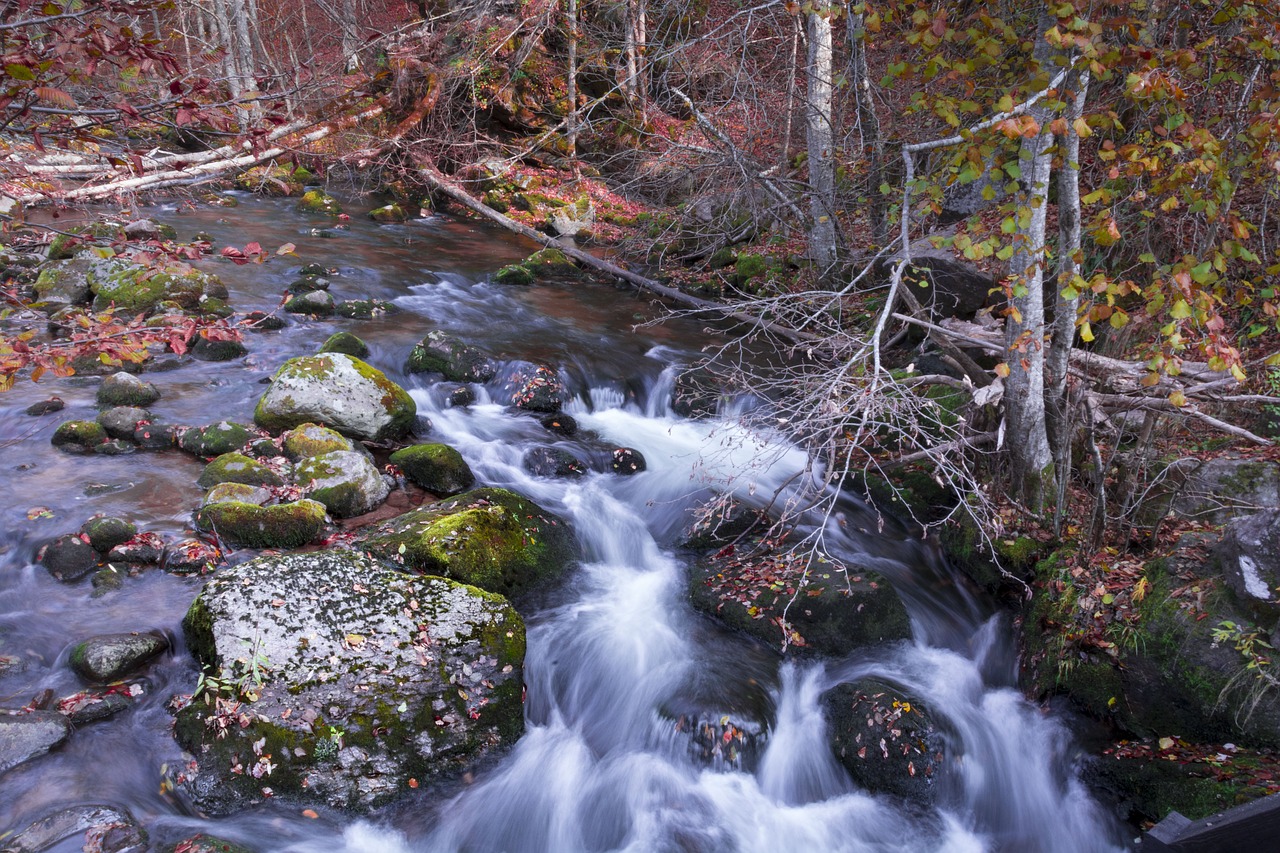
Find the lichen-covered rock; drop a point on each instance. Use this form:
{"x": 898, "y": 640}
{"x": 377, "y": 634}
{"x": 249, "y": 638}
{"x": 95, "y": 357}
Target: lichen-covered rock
{"x": 549, "y": 262}
{"x": 125, "y": 389}
{"x": 367, "y": 679}
{"x": 534, "y": 388}
{"x": 553, "y": 462}
{"x": 78, "y": 436}
{"x": 388, "y": 213}
{"x": 750, "y": 589}
{"x": 216, "y": 439}
{"x": 456, "y": 361}
{"x": 885, "y": 738}
{"x": 106, "y": 532}
{"x": 238, "y": 468}
{"x": 70, "y": 557}
{"x": 490, "y": 538}
{"x": 346, "y": 482}
{"x": 307, "y": 440}
{"x": 318, "y": 303}
{"x": 110, "y": 657}
{"x": 149, "y": 229}
{"x": 363, "y": 309}
{"x": 65, "y": 282}
{"x": 102, "y": 828}
{"x": 287, "y": 525}
{"x": 29, "y": 736}
{"x": 438, "y": 468}
{"x": 122, "y": 421}
{"x": 345, "y": 342}
{"x": 319, "y": 201}
{"x": 135, "y": 287}
{"x": 340, "y": 391}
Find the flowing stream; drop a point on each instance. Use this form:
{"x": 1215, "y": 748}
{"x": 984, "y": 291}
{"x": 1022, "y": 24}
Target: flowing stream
{"x": 614, "y": 654}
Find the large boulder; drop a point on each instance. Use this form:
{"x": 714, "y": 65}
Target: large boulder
{"x": 136, "y": 287}
{"x": 490, "y": 538}
{"x": 303, "y": 442}
{"x": 781, "y": 597}
{"x": 343, "y": 392}
{"x": 346, "y": 482}
{"x": 456, "y": 361}
{"x": 30, "y": 736}
{"x": 885, "y": 738}
{"x": 239, "y": 514}
{"x": 363, "y": 680}
{"x": 65, "y": 282}
{"x": 438, "y": 468}
{"x": 1250, "y": 556}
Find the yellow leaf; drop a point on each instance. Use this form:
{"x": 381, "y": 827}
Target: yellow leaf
{"x": 1166, "y": 743}
{"x": 1178, "y": 399}
{"x": 1086, "y": 332}
{"x": 355, "y": 639}
{"x": 1082, "y": 129}
{"x": 1002, "y": 370}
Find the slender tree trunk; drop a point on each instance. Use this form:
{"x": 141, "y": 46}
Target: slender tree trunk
{"x": 350, "y": 36}
{"x": 571, "y": 132}
{"x": 785, "y": 161}
{"x": 821, "y": 144}
{"x": 868, "y": 128}
{"x": 1026, "y": 431}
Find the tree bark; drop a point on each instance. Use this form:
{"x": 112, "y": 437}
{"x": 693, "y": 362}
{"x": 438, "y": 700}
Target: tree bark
{"x": 820, "y": 141}
{"x": 1026, "y": 431}
{"x": 868, "y": 128}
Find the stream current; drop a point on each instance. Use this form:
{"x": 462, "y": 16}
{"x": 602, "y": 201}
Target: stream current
{"x": 613, "y": 653}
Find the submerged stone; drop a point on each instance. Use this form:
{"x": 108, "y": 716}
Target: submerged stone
{"x": 366, "y": 678}
{"x": 29, "y": 736}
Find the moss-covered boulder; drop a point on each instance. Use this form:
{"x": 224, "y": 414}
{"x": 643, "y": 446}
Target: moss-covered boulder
{"x": 65, "y": 282}
{"x": 125, "y": 389}
{"x": 363, "y": 309}
{"x": 110, "y": 657}
{"x": 346, "y": 343}
{"x": 340, "y": 391}
{"x": 363, "y": 680}
{"x": 346, "y": 482}
{"x": 105, "y": 532}
{"x": 491, "y": 538}
{"x": 134, "y": 287}
{"x": 456, "y": 361}
{"x": 216, "y": 439}
{"x": 79, "y": 436}
{"x": 834, "y": 612}
{"x": 237, "y": 468}
{"x": 517, "y": 274}
{"x": 550, "y": 262}
{"x": 274, "y": 179}
{"x": 319, "y": 201}
{"x": 307, "y": 440}
{"x": 252, "y": 525}
{"x": 388, "y": 213}
{"x": 438, "y": 468}
{"x": 885, "y": 738}
{"x": 318, "y": 303}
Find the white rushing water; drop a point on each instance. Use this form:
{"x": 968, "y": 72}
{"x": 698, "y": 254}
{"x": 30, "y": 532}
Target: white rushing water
{"x": 599, "y": 768}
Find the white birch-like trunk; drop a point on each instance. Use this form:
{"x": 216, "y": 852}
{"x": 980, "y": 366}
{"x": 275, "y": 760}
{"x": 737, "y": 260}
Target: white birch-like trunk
{"x": 821, "y": 143}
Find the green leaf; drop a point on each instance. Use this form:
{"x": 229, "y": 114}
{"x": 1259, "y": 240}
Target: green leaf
{"x": 1180, "y": 310}
{"x": 19, "y": 72}
{"x": 1202, "y": 273}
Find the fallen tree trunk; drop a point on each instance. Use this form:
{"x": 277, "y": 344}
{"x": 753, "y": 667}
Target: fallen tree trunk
{"x": 440, "y": 183}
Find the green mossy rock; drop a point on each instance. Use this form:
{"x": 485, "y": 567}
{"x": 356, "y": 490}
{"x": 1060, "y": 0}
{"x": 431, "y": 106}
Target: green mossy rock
{"x": 367, "y": 678}
{"x": 110, "y": 657}
{"x": 346, "y": 343}
{"x": 139, "y": 288}
{"x": 438, "y": 468}
{"x": 388, "y": 213}
{"x": 238, "y": 468}
{"x": 747, "y": 267}
{"x": 550, "y": 262}
{"x": 491, "y": 538}
{"x": 216, "y": 439}
{"x": 317, "y": 303}
{"x": 833, "y": 614}
{"x": 340, "y": 391}
{"x": 456, "y": 361}
{"x": 516, "y": 274}
{"x": 125, "y": 389}
{"x": 274, "y": 180}
{"x": 78, "y": 436}
{"x": 106, "y": 532}
{"x": 309, "y": 440}
{"x": 319, "y": 201}
{"x": 65, "y": 282}
{"x": 209, "y": 349}
{"x": 289, "y": 525}
{"x": 346, "y": 482}
{"x": 363, "y": 309}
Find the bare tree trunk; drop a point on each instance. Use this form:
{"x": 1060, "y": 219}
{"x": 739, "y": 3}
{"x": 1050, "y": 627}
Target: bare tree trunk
{"x": 1026, "y": 431}
{"x": 785, "y": 159}
{"x": 868, "y": 129}
{"x": 571, "y": 132}
{"x": 350, "y": 36}
{"x": 821, "y": 143}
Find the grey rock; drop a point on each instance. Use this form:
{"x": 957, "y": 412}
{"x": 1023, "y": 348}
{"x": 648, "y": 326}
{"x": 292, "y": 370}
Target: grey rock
{"x": 1250, "y": 556}
{"x": 553, "y": 462}
{"x": 458, "y": 362}
{"x": 435, "y": 665}
{"x": 122, "y": 421}
{"x": 885, "y": 738}
{"x": 216, "y": 439}
{"x": 339, "y": 391}
{"x": 110, "y": 657}
{"x": 317, "y": 302}
{"x": 346, "y": 482}
{"x": 69, "y": 557}
{"x": 125, "y": 389}
{"x": 106, "y": 532}
{"x": 30, "y": 736}
{"x": 106, "y": 829}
